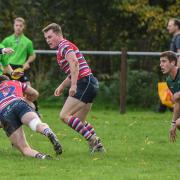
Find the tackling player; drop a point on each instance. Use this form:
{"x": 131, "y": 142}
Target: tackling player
{"x": 15, "y": 111}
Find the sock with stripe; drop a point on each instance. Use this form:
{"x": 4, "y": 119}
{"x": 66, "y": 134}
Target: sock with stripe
{"x": 90, "y": 128}
{"x": 47, "y": 131}
{"x": 78, "y": 126}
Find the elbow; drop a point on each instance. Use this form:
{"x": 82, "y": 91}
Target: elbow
{"x": 33, "y": 57}
{"x": 36, "y": 95}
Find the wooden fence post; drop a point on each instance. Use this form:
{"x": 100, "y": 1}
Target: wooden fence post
{"x": 123, "y": 80}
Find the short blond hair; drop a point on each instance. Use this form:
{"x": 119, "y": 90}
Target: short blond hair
{"x": 54, "y": 27}
{"x": 20, "y": 19}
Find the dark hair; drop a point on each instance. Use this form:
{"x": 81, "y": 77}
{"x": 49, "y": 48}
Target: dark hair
{"x": 54, "y": 27}
{"x": 170, "y": 55}
{"x": 176, "y": 22}
{"x": 3, "y": 78}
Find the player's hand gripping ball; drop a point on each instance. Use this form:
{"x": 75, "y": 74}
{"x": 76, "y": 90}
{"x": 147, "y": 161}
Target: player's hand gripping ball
{"x": 17, "y": 73}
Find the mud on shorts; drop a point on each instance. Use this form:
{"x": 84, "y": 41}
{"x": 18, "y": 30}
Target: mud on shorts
{"x": 11, "y": 115}
{"x": 87, "y": 89}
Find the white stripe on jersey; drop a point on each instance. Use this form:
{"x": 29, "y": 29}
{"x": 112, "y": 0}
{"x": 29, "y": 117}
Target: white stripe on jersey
{"x": 83, "y": 67}
{"x": 63, "y": 47}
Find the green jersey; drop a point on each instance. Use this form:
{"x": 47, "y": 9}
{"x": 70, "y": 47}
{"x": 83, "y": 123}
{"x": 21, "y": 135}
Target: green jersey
{"x": 174, "y": 84}
{"x": 3, "y": 61}
{"x": 22, "y": 46}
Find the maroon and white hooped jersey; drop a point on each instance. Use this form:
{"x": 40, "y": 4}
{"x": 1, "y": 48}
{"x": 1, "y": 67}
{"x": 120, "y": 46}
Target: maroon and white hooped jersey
{"x": 66, "y": 47}
{"x": 10, "y": 91}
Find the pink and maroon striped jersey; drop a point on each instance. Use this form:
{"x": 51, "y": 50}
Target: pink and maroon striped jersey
{"x": 11, "y": 91}
{"x": 66, "y": 47}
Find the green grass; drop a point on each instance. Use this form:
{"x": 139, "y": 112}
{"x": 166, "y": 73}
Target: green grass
{"x": 137, "y": 148}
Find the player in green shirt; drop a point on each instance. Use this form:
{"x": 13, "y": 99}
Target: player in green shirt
{"x": 168, "y": 64}
{"x": 24, "y": 53}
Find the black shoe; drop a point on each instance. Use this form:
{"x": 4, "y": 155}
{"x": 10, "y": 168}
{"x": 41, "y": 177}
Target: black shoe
{"x": 57, "y": 146}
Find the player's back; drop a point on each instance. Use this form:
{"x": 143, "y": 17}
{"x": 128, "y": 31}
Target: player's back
{"x": 10, "y": 91}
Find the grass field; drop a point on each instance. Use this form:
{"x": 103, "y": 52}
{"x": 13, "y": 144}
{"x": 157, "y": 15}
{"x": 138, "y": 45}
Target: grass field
{"x": 137, "y": 148}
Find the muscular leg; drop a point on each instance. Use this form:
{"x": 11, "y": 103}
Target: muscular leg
{"x": 71, "y": 106}
{"x": 18, "y": 139}
{"x": 82, "y": 114}
{"x": 28, "y": 117}
{"x": 32, "y": 120}
{"x": 74, "y": 113}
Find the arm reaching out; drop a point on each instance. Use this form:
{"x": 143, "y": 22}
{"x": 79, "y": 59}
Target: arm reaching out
{"x": 6, "y": 50}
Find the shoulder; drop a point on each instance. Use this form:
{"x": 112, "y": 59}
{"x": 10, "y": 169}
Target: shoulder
{"x": 177, "y": 37}
{"x": 8, "y": 37}
{"x": 64, "y": 43}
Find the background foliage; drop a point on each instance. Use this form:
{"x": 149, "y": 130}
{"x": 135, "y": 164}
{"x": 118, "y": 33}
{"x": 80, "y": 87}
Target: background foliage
{"x": 138, "y": 25}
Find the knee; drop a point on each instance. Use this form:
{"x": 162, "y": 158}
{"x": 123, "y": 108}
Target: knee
{"x": 25, "y": 150}
{"x": 41, "y": 126}
{"x": 34, "y": 123}
{"x": 63, "y": 117}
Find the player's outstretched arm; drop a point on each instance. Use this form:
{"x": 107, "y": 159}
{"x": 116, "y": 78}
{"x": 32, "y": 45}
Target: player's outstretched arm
{"x": 31, "y": 94}
{"x": 6, "y": 50}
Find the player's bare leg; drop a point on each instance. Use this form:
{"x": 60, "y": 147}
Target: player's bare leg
{"x": 74, "y": 113}
{"x": 83, "y": 112}
{"x": 18, "y": 139}
{"x": 33, "y": 121}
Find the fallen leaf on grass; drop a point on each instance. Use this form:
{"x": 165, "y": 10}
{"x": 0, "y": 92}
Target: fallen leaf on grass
{"x": 95, "y": 159}
{"x": 132, "y": 123}
{"x": 77, "y": 139}
{"x": 43, "y": 167}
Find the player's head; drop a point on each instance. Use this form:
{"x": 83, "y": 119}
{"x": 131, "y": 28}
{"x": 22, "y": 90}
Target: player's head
{"x": 3, "y": 78}
{"x": 168, "y": 60}
{"x": 173, "y": 25}
{"x": 56, "y": 28}
{"x": 19, "y": 25}
{"x": 53, "y": 35}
